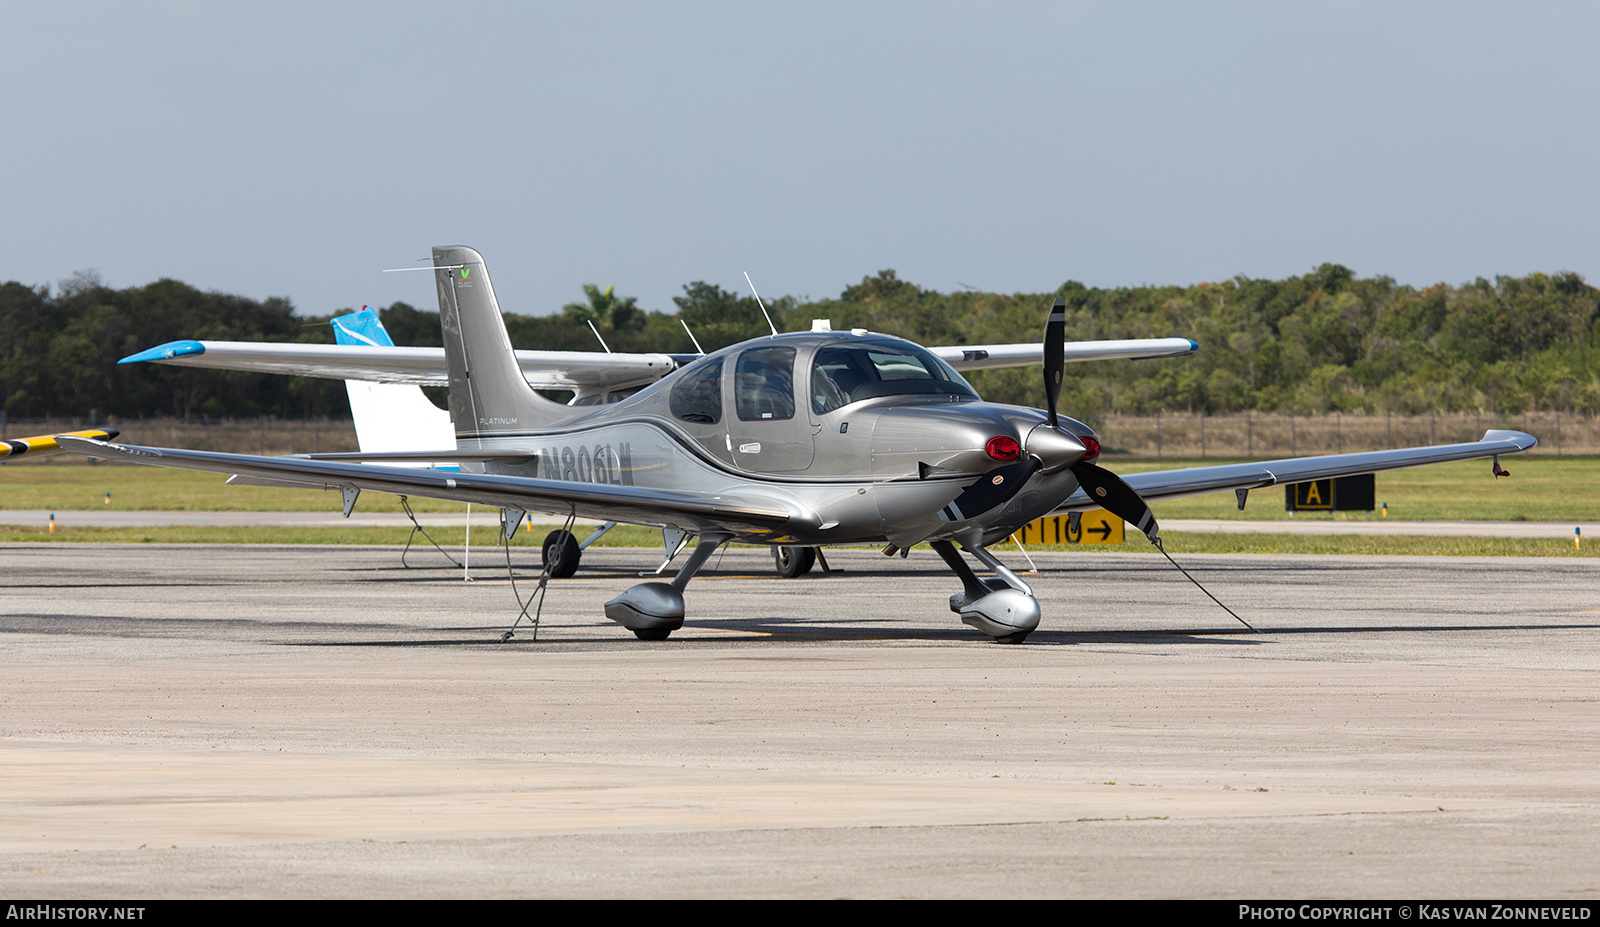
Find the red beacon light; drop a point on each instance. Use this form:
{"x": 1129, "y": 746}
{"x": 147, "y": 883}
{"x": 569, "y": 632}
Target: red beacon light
{"x": 1003, "y": 448}
{"x": 1091, "y": 448}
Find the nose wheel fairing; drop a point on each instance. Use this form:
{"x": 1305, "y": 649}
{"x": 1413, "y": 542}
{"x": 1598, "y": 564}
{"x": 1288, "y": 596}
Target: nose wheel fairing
{"x": 994, "y": 606}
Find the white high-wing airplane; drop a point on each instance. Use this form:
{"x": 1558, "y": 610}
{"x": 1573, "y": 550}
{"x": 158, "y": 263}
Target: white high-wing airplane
{"x": 806, "y": 439}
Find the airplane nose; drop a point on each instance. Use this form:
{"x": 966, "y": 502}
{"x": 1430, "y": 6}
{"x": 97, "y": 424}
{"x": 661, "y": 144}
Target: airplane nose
{"x": 1054, "y": 447}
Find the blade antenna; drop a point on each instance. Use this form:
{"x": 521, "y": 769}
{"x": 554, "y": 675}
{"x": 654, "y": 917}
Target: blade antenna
{"x": 1157, "y": 542}
{"x": 692, "y": 338}
{"x": 759, "y": 302}
{"x": 1055, "y": 357}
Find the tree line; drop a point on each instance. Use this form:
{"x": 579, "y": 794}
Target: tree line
{"x": 1321, "y": 342}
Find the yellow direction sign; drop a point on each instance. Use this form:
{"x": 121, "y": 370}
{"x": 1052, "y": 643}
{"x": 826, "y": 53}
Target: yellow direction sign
{"x": 1093, "y": 527}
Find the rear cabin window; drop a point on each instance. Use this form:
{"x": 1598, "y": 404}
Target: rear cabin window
{"x": 763, "y": 385}
{"x": 697, "y": 396}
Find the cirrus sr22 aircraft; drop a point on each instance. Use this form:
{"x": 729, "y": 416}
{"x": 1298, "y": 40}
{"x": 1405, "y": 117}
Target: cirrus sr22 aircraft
{"x": 804, "y": 440}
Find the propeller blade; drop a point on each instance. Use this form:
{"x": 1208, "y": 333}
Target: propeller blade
{"x": 1055, "y": 356}
{"x": 990, "y": 491}
{"x": 1117, "y": 497}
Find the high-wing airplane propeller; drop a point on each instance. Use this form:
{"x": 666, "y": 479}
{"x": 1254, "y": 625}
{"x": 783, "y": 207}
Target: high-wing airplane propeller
{"x": 805, "y": 439}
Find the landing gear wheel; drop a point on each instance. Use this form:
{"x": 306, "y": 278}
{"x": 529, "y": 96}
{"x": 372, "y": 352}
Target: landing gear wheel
{"x": 794, "y": 561}
{"x": 561, "y": 554}
{"x": 1016, "y": 638}
{"x": 652, "y": 634}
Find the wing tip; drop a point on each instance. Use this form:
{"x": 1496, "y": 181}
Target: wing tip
{"x": 171, "y": 349}
{"x": 1522, "y": 439}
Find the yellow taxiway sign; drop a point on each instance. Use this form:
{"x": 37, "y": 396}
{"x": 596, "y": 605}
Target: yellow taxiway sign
{"x": 1093, "y": 527}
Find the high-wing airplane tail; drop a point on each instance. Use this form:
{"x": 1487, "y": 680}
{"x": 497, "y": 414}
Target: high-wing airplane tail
{"x": 488, "y": 396}
{"x": 389, "y": 416}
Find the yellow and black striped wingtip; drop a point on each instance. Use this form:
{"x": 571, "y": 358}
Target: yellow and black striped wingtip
{"x": 45, "y": 445}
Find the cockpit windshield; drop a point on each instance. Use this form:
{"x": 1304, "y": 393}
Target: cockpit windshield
{"x": 842, "y": 374}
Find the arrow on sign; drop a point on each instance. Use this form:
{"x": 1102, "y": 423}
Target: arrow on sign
{"x": 1104, "y": 530}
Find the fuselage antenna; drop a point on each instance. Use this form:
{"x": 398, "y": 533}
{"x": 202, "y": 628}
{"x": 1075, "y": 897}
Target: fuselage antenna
{"x": 692, "y": 337}
{"x": 759, "y": 302}
{"x": 597, "y": 336}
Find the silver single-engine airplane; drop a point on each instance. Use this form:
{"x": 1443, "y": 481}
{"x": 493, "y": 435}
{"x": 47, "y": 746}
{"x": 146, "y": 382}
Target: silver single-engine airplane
{"x": 804, "y": 439}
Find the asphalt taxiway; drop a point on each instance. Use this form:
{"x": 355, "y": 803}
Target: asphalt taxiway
{"x": 489, "y": 518}
{"x": 184, "y": 721}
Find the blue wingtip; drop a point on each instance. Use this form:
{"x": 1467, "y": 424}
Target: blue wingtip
{"x": 1193, "y": 345}
{"x": 165, "y": 351}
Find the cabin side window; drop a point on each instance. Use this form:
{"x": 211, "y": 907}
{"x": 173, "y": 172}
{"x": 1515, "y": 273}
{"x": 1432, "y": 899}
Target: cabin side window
{"x": 763, "y": 387}
{"x": 697, "y": 396}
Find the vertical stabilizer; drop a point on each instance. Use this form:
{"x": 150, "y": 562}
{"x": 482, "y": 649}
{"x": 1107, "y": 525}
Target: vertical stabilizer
{"x": 489, "y": 397}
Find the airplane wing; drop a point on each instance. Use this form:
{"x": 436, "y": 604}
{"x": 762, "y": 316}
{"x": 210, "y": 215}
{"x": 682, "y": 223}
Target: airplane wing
{"x": 990, "y": 356}
{"x": 754, "y": 517}
{"x": 45, "y": 445}
{"x": 574, "y": 370}
{"x": 1168, "y": 484}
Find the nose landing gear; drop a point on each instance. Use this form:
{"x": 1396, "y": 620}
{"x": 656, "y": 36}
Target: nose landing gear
{"x": 1002, "y": 607}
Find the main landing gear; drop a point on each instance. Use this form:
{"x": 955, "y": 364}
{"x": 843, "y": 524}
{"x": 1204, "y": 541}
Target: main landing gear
{"x": 794, "y": 561}
{"x": 562, "y": 551}
{"x": 654, "y": 610}
{"x": 561, "y": 554}
{"x": 1002, "y": 607}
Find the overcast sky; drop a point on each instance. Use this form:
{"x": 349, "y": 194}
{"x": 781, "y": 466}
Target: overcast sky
{"x": 298, "y": 150}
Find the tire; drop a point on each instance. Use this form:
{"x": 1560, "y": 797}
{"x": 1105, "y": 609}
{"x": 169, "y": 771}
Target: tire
{"x": 794, "y": 561}
{"x": 561, "y": 554}
{"x": 652, "y": 634}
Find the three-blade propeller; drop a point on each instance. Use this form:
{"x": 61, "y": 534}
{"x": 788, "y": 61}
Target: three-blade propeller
{"x": 1103, "y": 487}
